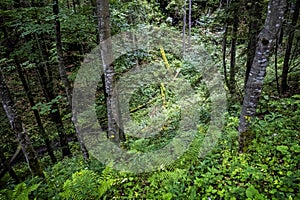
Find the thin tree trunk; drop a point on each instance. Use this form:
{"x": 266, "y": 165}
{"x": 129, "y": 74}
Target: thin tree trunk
{"x": 36, "y": 114}
{"x": 285, "y": 68}
{"x": 64, "y": 77}
{"x": 190, "y": 23}
{"x": 266, "y": 40}
{"x": 7, "y": 167}
{"x": 60, "y": 56}
{"x": 17, "y": 126}
{"x": 232, "y": 81}
{"x": 47, "y": 86}
{"x": 74, "y": 5}
{"x": 115, "y": 129}
{"x": 254, "y": 27}
{"x": 224, "y": 45}
{"x": 276, "y": 67}
{"x": 184, "y": 28}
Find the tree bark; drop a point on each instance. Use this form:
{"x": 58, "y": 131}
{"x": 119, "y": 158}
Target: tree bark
{"x": 17, "y": 126}
{"x": 232, "y": 81}
{"x": 36, "y": 114}
{"x": 63, "y": 74}
{"x": 254, "y": 27}
{"x": 265, "y": 43}
{"x": 190, "y": 24}
{"x": 115, "y": 129}
{"x": 184, "y": 28}
{"x": 287, "y": 55}
{"x": 47, "y": 86}
{"x": 60, "y": 56}
{"x": 8, "y": 167}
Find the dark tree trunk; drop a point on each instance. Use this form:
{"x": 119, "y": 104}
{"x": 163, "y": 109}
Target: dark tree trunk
{"x": 60, "y": 56}
{"x": 265, "y": 43}
{"x": 276, "y": 67}
{"x": 47, "y": 86}
{"x": 224, "y": 47}
{"x": 190, "y": 23}
{"x": 17, "y": 126}
{"x": 254, "y": 27}
{"x": 184, "y": 29}
{"x": 289, "y": 44}
{"x": 232, "y": 81}
{"x": 115, "y": 129}
{"x": 63, "y": 74}
{"x": 36, "y": 114}
{"x": 8, "y": 167}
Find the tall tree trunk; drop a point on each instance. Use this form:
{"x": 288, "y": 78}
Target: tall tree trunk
{"x": 115, "y": 129}
{"x": 224, "y": 47}
{"x": 8, "y": 167}
{"x": 60, "y": 56}
{"x": 63, "y": 74}
{"x": 47, "y": 86}
{"x": 289, "y": 44}
{"x": 232, "y": 81}
{"x": 184, "y": 28}
{"x": 36, "y": 114}
{"x": 276, "y": 67}
{"x": 17, "y": 126}
{"x": 265, "y": 43}
{"x": 190, "y": 24}
{"x": 253, "y": 30}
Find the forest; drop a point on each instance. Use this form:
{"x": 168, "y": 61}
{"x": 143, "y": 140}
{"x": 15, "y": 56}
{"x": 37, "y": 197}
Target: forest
{"x": 150, "y": 99}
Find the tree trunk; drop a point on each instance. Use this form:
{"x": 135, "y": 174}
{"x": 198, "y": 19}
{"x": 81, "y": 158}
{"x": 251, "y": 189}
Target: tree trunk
{"x": 184, "y": 28}
{"x": 232, "y": 82}
{"x": 115, "y": 129}
{"x": 60, "y": 56}
{"x": 190, "y": 24}
{"x": 289, "y": 44}
{"x": 63, "y": 74}
{"x": 47, "y": 86}
{"x": 17, "y": 126}
{"x": 254, "y": 27}
{"x": 8, "y": 167}
{"x": 36, "y": 114}
{"x": 265, "y": 43}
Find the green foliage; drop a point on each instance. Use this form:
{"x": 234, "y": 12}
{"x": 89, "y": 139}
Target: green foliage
{"x": 82, "y": 185}
{"x": 46, "y": 108}
{"x": 20, "y": 192}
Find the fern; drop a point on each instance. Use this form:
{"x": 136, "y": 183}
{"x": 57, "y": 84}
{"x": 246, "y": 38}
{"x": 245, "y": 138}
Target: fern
{"x": 21, "y": 191}
{"x": 86, "y": 184}
{"x": 106, "y": 181}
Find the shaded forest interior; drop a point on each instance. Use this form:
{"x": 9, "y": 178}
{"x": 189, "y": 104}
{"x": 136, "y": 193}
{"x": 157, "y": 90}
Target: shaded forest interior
{"x": 242, "y": 110}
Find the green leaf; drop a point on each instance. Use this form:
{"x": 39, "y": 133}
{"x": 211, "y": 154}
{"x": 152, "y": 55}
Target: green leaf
{"x": 251, "y": 192}
{"x": 283, "y": 149}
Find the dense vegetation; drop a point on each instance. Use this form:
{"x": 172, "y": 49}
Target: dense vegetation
{"x": 40, "y": 41}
